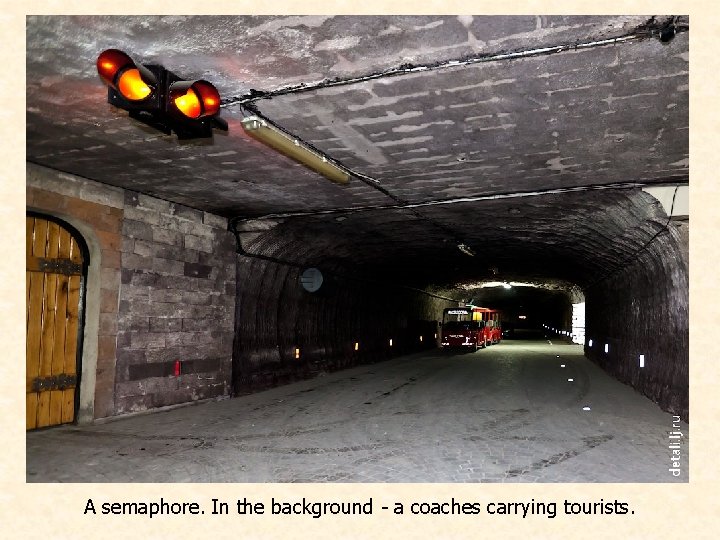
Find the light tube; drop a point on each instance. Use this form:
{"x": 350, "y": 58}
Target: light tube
{"x": 261, "y": 130}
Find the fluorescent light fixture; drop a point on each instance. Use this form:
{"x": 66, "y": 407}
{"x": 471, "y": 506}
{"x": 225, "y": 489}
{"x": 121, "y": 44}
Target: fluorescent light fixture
{"x": 590, "y": 343}
{"x": 571, "y": 380}
{"x": 357, "y": 346}
{"x": 607, "y": 347}
{"x": 642, "y": 360}
{"x": 586, "y": 408}
{"x": 261, "y": 130}
{"x": 562, "y": 365}
{"x": 522, "y": 316}
{"x": 391, "y": 342}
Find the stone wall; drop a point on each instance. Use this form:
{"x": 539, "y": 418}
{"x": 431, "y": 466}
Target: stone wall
{"x": 167, "y": 282}
{"x": 284, "y": 333}
{"x": 176, "y": 304}
{"x": 643, "y": 309}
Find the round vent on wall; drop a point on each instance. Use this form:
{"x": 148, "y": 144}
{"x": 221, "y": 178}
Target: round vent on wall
{"x": 311, "y": 279}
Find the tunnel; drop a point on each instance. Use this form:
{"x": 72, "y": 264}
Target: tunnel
{"x": 616, "y": 248}
{"x": 536, "y": 166}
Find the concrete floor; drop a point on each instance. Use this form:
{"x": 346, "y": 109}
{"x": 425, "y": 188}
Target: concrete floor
{"x": 504, "y": 414}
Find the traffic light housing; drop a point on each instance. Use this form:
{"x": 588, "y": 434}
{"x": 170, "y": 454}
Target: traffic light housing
{"x": 159, "y": 98}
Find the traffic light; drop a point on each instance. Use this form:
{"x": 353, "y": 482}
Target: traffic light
{"x": 159, "y": 98}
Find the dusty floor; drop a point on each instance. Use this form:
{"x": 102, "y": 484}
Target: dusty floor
{"x": 504, "y": 414}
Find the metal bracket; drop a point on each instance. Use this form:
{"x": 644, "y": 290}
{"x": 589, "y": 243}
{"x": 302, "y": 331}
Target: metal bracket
{"x": 54, "y": 382}
{"x": 54, "y": 266}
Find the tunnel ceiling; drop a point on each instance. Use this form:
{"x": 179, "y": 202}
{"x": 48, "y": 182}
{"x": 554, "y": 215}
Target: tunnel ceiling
{"x": 442, "y": 131}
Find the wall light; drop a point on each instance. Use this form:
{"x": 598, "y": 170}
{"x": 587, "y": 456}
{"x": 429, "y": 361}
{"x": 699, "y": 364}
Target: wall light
{"x": 590, "y": 343}
{"x": 391, "y": 342}
{"x": 261, "y": 130}
{"x": 297, "y": 354}
{"x": 642, "y": 360}
{"x": 357, "y": 346}
{"x": 466, "y": 250}
{"x": 421, "y": 339}
{"x": 607, "y": 347}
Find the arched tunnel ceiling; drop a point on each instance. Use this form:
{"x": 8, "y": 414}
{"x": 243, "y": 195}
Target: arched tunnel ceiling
{"x": 574, "y": 238}
{"x": 590, "y": 116}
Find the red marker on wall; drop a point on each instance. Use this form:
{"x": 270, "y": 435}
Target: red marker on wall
{"x": 177, "y": 368}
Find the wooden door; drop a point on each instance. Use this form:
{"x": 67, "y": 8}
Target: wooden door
{"x": 53, "y": 281}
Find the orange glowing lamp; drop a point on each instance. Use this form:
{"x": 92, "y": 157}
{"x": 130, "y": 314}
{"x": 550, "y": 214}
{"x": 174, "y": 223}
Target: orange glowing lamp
{"x": 157, "y": 97}
{"x": 133, "y": 81}
{"x": 195, "y": 99}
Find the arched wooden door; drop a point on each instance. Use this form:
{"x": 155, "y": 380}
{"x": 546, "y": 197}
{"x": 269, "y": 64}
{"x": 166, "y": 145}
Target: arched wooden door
{"x": 54, "y": 281}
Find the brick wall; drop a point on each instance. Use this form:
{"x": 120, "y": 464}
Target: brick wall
{"x": 167, "y": 292}
{"x": 176, "y": 304}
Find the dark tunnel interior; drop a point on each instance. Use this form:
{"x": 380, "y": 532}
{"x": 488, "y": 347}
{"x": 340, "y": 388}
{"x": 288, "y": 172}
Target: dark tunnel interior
{"x": 526, "y": 158}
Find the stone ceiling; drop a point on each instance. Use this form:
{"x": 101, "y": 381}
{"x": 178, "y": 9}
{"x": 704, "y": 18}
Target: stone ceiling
{"x": 425, "y": 110}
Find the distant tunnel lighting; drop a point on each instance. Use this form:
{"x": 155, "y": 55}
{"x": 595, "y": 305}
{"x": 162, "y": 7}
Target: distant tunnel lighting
{"x": 571, "y": 380}
{"x": 562, "y": 365}
{"x": 435, "y": 336}
{"x": 357, "y": 346}
{"x": 522, "y": 317}
{"x": 586, "y": 408}
{"x": 297, "y": 353}
{"x": 466, "y": 250}
{"x": 268, "y": 134}
{"x": 391, "y": 342}
{"x": 607, "y": 347}
{"x": 642, "y": 360}
{"x": 590, "y": 343}
{"x": 507, "y": 286}
{"x": 420, "y": 338}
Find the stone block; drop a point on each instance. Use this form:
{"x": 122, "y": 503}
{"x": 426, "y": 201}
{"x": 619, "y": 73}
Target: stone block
{"x": 108, "y": 300}
{"x": 131, "y": 198}
{"x": 168, "y": 267}
{"x": 191, "y": 214}
{"x": 110, "y": 278}
{"x": 127, "y": 244}
{"x": 136, "y": 262}
{"x": 144, "y": 215}
{"x": 141, "y": 340}
{"x": 167, "y": 236}
{"x": 108, "y": 324}
{"x": 153, "y": 203}
{"x": 137, "y": 229}
{"x": 133, "y": 322}
{"x": 109, "y": 240}
{"x": 215, "y": 221}
{"x": 102, "y": 194}
{"x": 173, "y": 296}
{"x": 165, "y": 324}
{"x": 197, "y": 270}
{"x": 141, "y": 278}
{"x": 200, "y": 243}
{"x": 110, "y": 259}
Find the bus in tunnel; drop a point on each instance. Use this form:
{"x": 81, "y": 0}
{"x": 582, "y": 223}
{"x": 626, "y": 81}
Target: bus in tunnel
{"x": 470, "y": 327}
